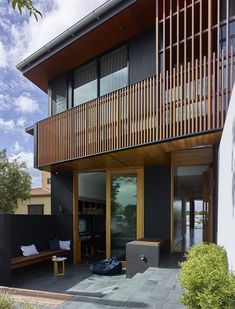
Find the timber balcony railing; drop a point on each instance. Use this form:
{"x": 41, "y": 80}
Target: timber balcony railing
{"x": 187, "y": 100}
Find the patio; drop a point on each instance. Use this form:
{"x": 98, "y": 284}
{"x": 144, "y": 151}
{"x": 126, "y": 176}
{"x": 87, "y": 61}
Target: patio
{"x": 156, "y": 288}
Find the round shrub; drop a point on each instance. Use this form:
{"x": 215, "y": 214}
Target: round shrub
{"x": 205, "y": 279}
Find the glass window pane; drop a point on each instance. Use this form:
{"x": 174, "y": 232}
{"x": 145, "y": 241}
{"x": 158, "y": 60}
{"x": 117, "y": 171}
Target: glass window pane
{"x": 232, "y": 8}
{"x": 85, "y": 83}
{"x": 59, "y": 95}
{"x": 35, "y": 209}
{"x": 113, "y": 71}
{"x": 123, "y": 212}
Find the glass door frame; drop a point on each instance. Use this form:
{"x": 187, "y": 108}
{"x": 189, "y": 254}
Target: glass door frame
{"x": 140, "y": 203}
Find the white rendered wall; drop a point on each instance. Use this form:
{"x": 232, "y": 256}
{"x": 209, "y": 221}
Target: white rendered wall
{"x": 226, "y": 194}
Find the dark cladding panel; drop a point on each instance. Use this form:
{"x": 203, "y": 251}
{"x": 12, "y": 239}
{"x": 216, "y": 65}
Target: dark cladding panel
{"x": 5, "y": 249}
{"x": 215, "y": 190}
{"x": 31, "y": 229}
{"x": 157, "y": 181}
{"x": 142, "y": 56}
{"x": 62, "y": 193}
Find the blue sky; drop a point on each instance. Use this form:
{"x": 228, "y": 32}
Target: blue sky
{"x": 21, "y": 102}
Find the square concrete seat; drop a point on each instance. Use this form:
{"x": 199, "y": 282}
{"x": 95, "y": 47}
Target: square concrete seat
{"x": 140, "y": 255}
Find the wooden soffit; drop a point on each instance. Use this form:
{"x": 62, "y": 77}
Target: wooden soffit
{"x": 126, "y": 24}
{"x": 186, "y": 151}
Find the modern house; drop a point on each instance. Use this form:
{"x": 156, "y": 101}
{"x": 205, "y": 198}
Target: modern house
{"x": 138, "y": 93}
{"x": 40, "y": 199}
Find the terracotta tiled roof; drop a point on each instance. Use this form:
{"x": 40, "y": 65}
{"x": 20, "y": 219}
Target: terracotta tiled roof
{"x": 40, "y": 191}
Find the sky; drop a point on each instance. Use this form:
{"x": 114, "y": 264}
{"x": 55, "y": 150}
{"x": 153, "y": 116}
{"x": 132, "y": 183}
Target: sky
{"x": 21, "y": 102}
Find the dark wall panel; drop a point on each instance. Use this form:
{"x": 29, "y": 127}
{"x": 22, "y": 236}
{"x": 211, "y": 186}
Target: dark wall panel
{"x": 31, "y": 229}
{"x": 38, "y": 230}
{"x": 62, "y": 193}
{"x": 5, "y": 250}
{"x": 157, "y": 181}
{"x": 142, "y": 56}
{"x": 215, "y": 191}
{"x": 64, "y": 227}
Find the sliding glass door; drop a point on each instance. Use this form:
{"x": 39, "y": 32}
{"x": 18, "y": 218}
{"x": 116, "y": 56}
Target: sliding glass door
{"x": 124, "y": 220}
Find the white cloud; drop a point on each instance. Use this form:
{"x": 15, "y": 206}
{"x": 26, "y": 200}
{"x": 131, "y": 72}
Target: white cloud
{"x": 28, "y": 158}
{"x": 25, "y": 105}
{"x": 3, "y": 56}
{"x": 17, "y": 148}
{"x": 4, "y": 102}
{"x": 7, "y": 125}
{"x": 5, "y": 23}
{"x": 31, "y": 35}
{"x": 21, "y": 122}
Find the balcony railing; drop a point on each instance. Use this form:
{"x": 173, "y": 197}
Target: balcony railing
{"x": 183, "y": 101}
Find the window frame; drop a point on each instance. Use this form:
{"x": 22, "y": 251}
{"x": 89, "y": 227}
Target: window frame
{"x": 52, "y": 106}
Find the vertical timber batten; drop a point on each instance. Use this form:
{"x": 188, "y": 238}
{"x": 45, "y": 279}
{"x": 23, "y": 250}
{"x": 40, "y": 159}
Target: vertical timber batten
{"x": 209, "y": 61}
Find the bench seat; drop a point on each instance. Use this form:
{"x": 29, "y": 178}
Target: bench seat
{"x": 21, "y": 261}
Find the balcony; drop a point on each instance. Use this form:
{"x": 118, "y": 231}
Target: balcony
{"x": 187, "y": 100}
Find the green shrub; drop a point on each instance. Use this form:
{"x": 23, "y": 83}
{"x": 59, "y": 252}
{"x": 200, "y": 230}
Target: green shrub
{"x": 205, "y": 279}
{"x": 6, "y": 301}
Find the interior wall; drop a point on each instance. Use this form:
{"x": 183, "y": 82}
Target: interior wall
{"x": 92, "y": 185}
{"x": 157, "y": 202}
{"x": 226, "y": 185}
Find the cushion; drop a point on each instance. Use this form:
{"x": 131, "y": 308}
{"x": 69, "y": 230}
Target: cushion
{"x": 29, "y": 250}
{"x": 64, "y": 244}
{"x": 54, "y": 244}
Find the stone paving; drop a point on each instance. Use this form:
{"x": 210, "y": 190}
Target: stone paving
{"x": 156, "y": 288}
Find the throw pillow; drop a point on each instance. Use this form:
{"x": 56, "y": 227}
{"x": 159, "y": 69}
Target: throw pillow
{"x": 54, "y": 244}
{"x": 29, "y": 250}
{"x": 65, "y": 244}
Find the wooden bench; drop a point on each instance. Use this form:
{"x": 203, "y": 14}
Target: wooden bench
{"x": 21, "y": 261}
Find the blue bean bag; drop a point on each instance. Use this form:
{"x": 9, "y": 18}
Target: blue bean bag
{"x": 107, "y": 267}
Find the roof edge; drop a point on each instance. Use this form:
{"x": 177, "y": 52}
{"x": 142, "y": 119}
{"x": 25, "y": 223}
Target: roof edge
{"x": 50, "y": 48}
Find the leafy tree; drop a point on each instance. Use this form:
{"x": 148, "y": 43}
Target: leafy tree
{"x": 15, "y": 183}
{"x": 25, "y": 4}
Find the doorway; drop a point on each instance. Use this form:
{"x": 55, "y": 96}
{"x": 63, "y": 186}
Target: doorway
{"x": 110, "y": 212}
{"x": 192, "y": 206}
{"x": 92, "y": 216}
{"x": 124, "y": 210}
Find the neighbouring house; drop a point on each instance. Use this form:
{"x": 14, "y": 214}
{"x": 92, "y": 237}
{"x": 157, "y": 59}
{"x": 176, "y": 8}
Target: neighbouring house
{"x": 138, "y": 94}
{"x": 40, "y": 199}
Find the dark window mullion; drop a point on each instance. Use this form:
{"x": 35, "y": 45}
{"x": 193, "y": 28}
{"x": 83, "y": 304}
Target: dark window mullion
{"x": 98, "y": 77}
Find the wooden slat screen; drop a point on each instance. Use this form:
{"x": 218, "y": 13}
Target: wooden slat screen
{"x": 130, "y": 117}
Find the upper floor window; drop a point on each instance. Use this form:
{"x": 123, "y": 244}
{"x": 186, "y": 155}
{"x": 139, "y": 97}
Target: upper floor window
{"x": 59, "y": 95}
{"x": 96, "y": 78}
{"x": 113, "y": 71}
{"x": 85, "y": 83}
